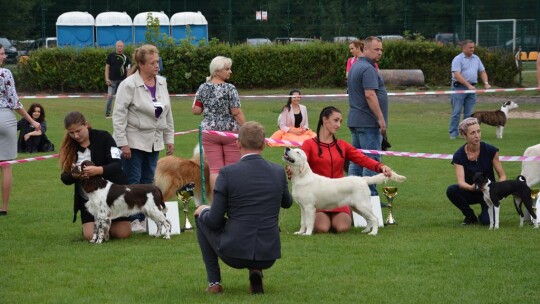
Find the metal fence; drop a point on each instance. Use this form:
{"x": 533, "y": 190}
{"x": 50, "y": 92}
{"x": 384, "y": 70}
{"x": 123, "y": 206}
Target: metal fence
{"x": 235, "y": 21}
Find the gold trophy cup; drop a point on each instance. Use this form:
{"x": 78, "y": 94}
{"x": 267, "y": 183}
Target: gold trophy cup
{"x": 390, "y": 193}
{"x": 184, "y": 194}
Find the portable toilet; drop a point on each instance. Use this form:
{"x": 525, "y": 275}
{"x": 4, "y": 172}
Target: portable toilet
{"x": 75, "y": 29}
{"x": 139, "y": 26}
{"x": 113, "y": 26}
{"x": 197, "y": 24}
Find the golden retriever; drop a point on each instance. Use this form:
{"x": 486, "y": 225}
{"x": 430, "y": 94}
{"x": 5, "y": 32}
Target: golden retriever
{"x": 173, "y": 172}
{"x": 312, "y": 191}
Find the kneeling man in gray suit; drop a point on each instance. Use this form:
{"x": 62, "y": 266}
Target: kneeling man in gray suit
{"x": 241, "y": 227}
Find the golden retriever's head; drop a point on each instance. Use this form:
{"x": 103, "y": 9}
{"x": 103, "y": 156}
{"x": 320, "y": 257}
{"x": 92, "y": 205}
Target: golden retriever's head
{"x": 296, "y": 159}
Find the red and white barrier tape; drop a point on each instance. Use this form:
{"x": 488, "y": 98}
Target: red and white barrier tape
{"x": 26, "y": 160}
{"x": 303, "y": 96}
{"x": 298, "y": 144}
{"x": 389, "y": 153}
{"x": 30, "y": 159}
{"x": 186, "y": 132}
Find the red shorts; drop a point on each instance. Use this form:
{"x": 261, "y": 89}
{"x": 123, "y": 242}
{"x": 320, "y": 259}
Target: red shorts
{"x": 219, "y": 151}
{"x": 345, "y": 209}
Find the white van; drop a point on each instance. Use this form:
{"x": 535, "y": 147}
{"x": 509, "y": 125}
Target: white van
{"x": 294, "y": 40}
{"x": 344, "y": 39}
{"x": 48, "y": 42}
{"x": 258, "y": 41}
{"x": 390, "y": 37}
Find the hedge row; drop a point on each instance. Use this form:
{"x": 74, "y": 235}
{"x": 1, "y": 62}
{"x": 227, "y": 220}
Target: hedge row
{"x": 266, "y": 66}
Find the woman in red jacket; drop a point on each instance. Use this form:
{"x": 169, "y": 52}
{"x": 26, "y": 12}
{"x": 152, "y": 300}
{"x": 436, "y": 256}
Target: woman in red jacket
{"x": 326, "y": 156}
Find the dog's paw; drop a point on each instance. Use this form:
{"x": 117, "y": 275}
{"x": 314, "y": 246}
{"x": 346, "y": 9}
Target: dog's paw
{"x": 372, "y": 233}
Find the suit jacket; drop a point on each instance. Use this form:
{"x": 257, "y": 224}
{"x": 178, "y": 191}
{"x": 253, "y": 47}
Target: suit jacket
{"x": 249, "y": 193}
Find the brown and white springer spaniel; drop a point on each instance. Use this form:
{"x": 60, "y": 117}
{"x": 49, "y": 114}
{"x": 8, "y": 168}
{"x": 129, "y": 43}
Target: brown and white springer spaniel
{"x": 107, "y": 201}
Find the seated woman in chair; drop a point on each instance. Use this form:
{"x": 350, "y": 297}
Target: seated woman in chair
{"x": 293, "y": 121}
{"x": 31, "y": 140}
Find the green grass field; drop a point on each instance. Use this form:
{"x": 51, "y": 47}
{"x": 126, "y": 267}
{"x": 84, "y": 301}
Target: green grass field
{"x": 428, "y": 257}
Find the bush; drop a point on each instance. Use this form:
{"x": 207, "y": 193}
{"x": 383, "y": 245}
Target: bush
{"x": 266, "y": 66}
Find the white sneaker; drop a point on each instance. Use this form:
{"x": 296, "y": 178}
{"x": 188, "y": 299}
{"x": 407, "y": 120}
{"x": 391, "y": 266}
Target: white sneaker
{"x": 136, "y": 227}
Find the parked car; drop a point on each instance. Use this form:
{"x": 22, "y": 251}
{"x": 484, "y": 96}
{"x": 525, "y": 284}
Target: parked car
{"x": 258, "y": 41}
{"x": 390, "y": 37}
{"x": 447, "y": 38}
{"x": 344, "y": 39}
{"x": 294, "y": 40}
{"x": 21, "y": 45}
{"x": 11, "y": 51}
{"x": 48, "y": 42}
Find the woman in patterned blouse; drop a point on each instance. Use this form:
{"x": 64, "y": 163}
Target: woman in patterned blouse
{"x": 9, "y": 102}
{"x": 219, "y": 103}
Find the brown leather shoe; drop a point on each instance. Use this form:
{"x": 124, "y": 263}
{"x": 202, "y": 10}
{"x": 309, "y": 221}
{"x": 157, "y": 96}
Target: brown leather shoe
{"x": 255, "y": 282}
{"x": 215, "y": 289}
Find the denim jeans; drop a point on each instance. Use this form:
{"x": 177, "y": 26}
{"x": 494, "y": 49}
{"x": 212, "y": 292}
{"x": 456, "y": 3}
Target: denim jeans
{"x": 459, "y": 102}
{"x": 368, "y": 139}
{"x": 111, "y": 91}
{"x": 140, "y": 170}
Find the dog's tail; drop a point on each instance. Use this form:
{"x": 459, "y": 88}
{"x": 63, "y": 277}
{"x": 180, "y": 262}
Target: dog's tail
{"x": 380, "y": 178}
{"x": 196, "y": 153}
{"x": 166, "y": 178}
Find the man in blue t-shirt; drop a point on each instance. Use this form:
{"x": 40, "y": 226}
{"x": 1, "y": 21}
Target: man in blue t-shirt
{"x": 116, "y": 69}
{"x": 465, "y": 69}
{"x": 368, "y": 103}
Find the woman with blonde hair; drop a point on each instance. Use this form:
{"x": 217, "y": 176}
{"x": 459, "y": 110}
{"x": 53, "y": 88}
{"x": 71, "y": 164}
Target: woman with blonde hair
{"x": 142, "y": 119}
{"x": 473, "y": 157}
{"x": 219, "y": 103}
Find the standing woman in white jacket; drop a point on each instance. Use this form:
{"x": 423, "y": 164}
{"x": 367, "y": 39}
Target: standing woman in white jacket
{"x": 142, "y": 117}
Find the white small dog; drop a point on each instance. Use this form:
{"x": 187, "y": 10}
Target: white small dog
{"x": 312, "y": 191}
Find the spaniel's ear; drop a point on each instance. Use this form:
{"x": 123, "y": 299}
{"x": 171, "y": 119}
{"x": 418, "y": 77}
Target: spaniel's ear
{"x": 76, "y": 171}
